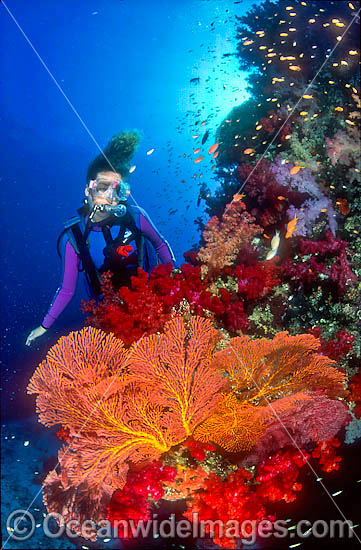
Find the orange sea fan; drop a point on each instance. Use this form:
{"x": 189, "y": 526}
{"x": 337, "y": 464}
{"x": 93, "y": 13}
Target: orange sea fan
{"x": 262, "y": 370}
{"x": 177, "y": 365}
{"x": 233, "y": 427}
{"x": 80, "y": 369}
{"x": 133, "y": 405}
{"x": 268, "y": 377}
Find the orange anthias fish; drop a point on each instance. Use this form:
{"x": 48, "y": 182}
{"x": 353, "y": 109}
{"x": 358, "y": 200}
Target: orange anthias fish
{"x": 295, "y": 170}
{"x": 237, "y": 198}
{"x": 215, "y": 155}
{"x": 248, "y": 151}
{"x": 198, "y": 159}
{"x": 291, "y": 226}
{"x": 343, "y": 206}
{"x": 196, "y": 151}
{"x": 213, "y": 148}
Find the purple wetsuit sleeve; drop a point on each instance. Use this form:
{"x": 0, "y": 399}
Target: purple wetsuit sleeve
{"x": 161, "y": 246}
{"x": 65, "y": 293}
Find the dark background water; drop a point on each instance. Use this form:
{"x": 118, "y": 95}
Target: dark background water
{"x": 122, "y": 65}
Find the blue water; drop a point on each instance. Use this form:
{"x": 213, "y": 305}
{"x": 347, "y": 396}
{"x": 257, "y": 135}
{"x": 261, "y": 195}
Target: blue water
{"x": 73, "y": 75}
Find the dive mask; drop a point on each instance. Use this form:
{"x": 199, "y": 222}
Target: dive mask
{"x": 112, "y": 189}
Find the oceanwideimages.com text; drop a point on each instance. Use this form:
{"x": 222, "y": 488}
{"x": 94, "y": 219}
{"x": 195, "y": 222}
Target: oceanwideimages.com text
{"x": 21, "y": 526}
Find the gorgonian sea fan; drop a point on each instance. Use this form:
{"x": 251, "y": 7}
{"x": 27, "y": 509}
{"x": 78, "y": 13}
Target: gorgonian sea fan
{"x": 262, "y": 372}
{"x": 121, "y": 406}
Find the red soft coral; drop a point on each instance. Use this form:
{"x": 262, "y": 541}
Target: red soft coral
{"x": 277, "y": 475}
{"x": 231, "y": 499}
{"x": 355, "y": 387}
{"x": 256, "y": 281}
{"x": 132, "y": 502}
{"x": 129, "y": 313}
{"x": 274, "y": 121}
{"x": 326, "y": 454}
{"x": 145, "y": 307}
{"x": 328, "y": 258}
{"x": 335, "y": 349}
{"x": 263, "y": 192}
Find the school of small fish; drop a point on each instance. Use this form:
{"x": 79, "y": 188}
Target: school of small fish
{"x": 200, "y": 115}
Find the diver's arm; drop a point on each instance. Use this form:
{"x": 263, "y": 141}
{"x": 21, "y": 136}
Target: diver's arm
{"x": 65, "y": 293}
{"x": 161, "y": 246}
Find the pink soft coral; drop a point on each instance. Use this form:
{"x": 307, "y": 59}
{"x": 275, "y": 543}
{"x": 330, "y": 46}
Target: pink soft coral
{"x": 342, "y": 148}
{"x": 315, "y": 418}
{"x": 226, "y": 238}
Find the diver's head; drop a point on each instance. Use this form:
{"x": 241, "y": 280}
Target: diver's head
{"x": 105, "y": 193}
{"x": 105, "y": 186}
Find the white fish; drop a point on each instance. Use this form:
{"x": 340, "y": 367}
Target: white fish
{"x": 274, "y": 246}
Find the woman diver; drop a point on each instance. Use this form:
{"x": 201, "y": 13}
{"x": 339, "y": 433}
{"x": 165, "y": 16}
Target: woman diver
{"x": 109, "y": 233}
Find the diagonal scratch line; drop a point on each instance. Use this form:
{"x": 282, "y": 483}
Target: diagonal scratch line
{"x": 91, "y": 135}
{"x": 294, "y": 442}
{"x": 295, "y": 107}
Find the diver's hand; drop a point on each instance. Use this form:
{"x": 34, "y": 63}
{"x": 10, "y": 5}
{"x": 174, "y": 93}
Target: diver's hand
{"x": 39, "y": 331}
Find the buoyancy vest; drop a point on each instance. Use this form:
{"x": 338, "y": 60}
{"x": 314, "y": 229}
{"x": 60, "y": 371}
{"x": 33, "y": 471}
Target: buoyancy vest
{"x": 77, "y": 232}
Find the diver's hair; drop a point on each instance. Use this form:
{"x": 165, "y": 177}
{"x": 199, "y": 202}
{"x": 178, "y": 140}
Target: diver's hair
{"x": 118, "y": 153}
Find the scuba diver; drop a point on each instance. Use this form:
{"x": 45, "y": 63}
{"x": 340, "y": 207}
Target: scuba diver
{"x": 108, "y": 233}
